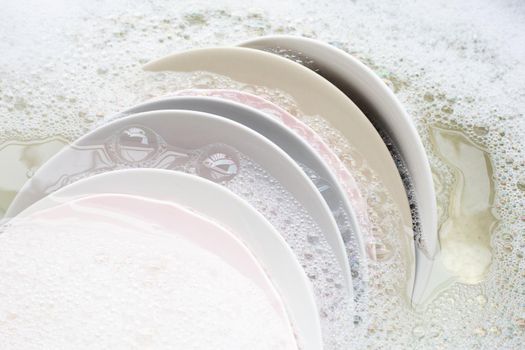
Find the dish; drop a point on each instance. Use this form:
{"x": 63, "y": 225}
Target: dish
{"x": 345, "y": 178}
{"x": 381, "y": 106}
{"x": 220, "y": 205}
{"x": 122, "y": 219}
{"x": 228, "y": 153}
{"x": 314, "y": 96}
{"x": 313, "y": 166}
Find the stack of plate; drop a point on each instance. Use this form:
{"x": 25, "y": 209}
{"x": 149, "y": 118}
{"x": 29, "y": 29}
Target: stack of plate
{"x": 285, "y": 198}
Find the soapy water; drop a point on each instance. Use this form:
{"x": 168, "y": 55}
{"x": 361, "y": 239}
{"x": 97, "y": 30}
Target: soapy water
{"x": 314, "y": 254}
{"x": 462, "y": 73}
{"x": 97, "y": 286}
{"x": 358, "y": 265}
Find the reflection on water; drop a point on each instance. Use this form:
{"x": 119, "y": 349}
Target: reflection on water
{"x": 23, "y": 159}
{"x": 465, "y": 235}
{"x": 466, "y": 252}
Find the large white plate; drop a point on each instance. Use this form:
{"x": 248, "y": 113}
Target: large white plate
{"x": 380, "y": 105}
{"x": 139, "y": 213}
{"x": 314, "y": 96}
{"x": 324, "y": 179}
{"x": 218, "y": 149}
{"x": 223, "y": 206}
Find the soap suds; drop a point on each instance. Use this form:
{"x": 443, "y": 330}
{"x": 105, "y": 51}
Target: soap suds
{"x": 78, "y": 284}
{"x": 63, "y": 68}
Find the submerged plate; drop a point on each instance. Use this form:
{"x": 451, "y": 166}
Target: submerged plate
{"x": 344, "y": 177}
{"x": 314, "y": 96}
{"x": 223, "y": 206}
{"x": 320, "y": 174}
{"x": 233, "y": 155}
{"x": 165, "y": 220}
{"x": 381, "y": 106}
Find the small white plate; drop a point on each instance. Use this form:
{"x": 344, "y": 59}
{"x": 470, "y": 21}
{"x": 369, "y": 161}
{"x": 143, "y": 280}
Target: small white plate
{"x": 139, "y": 214}
{"x": 380, "y": 105}
{"x": 226, "y": 152}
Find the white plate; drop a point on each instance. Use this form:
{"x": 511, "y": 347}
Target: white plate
{"x": 314, "y": 96}
{"x": 223, "y": 206}
{"x": 379, "y": 103}
{"x": 324, "y": 179}
{"x": 217, "y": 149}
{"x": 139, "y": 214}
{"x": 344, "y": 176}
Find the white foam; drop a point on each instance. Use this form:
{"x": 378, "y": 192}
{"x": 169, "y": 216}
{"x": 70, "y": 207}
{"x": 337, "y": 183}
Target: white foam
{"x": 81, "y": 284}
{"x": 457, "y": 64}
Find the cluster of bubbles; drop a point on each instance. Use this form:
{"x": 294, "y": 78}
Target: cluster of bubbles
{"x": 464, "y": 79}
{"x": 389, "y": 268}
{"x": 265, "y": 193}
{"x": 162, "y": 284}
{"x": 258, "y": 187}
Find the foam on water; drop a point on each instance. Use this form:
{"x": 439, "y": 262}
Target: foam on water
{"x": 306, "y": 239}
{"x": 63, "y": 68}
{"x": 259, "y": 188}
{"x": 390, "y": 265}
{"x": 89, "y": 284}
